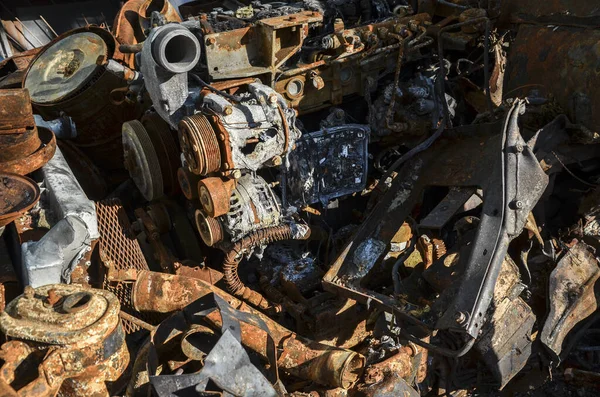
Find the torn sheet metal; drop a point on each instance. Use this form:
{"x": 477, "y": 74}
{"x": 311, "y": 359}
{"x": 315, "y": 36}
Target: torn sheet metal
{"x": 571, "y": 296}
{"x": 226, "y": 365}
{"x": 74, "y": 225}
{"x": 156, "y": 292}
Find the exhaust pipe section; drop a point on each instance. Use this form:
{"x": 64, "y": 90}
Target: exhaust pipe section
{"x": 300, "y": 357}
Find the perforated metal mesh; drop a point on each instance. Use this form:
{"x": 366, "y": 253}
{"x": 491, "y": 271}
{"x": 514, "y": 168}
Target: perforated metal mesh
{"x": 120, "y": 250}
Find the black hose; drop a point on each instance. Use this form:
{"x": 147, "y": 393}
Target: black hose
{"x": 204, "y": 84}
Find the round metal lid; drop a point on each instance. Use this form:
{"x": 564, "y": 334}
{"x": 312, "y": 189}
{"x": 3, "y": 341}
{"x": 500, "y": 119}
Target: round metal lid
{"x": 17, "y": 195}
{"x": 65, "y": 67}
{"x": 61, "y": 314}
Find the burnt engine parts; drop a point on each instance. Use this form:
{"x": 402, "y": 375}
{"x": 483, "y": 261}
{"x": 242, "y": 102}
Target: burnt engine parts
{"x": 325, "y": 198}
{"x": 151, "y": 156}
{"x": 328, "y": 164}
{"x": 235, "y": 208}
{"x": 69, "y": 77}
{"x": 169, "y": 52}
{"x": 253, "y": 132}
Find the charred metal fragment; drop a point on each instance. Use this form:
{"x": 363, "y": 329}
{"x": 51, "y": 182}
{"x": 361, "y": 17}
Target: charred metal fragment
{"x": 514, "y": 187}
{"x": 226, "y": 364}
{"x": 73, "y": 228}
{"x": 301, "y": 357}
{"x": 571, "y": 296}
{"x": 505, "y": 209}
{"x": 328, "y": 164}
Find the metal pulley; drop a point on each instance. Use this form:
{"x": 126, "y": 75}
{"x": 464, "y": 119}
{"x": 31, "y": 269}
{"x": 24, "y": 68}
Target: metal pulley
{"x": 78, "y": 333}
{"x": 239, "y": 207}
{"x": 151, "y": 156}
{"x": 141, "y": 160}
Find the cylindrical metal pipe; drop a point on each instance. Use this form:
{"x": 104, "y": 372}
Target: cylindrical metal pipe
{"x": 301, "y": 357}
{"x": 176, "y": 49}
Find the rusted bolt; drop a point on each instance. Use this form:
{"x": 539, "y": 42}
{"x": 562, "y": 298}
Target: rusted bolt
{"x": 53, "y": 297}
{"x": 273, "y": 98}
{"x": 228, "y": 110}
{"x": 460, "y": 318}
{"x": 318, "y": 82}
{"x": 222, "y": 136}
{"x": 211, "y": 41}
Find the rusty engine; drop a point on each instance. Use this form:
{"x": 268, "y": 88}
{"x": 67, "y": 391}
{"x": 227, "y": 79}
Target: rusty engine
{"x": 312, "y": 198}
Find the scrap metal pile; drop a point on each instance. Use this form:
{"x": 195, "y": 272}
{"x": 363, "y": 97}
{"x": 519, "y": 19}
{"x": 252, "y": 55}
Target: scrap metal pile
{"x": 312, "y": 198}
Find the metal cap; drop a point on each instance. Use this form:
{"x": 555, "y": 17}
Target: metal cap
{"x": 65, "y": 67}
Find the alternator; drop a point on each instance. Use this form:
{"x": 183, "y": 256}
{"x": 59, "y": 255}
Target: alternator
{"x": 252, "y": 206}
{"x": 249, "y": 134}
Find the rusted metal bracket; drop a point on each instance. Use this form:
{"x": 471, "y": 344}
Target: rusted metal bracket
{"x": 517, "y": 184}
{"x": 510, "y": 191}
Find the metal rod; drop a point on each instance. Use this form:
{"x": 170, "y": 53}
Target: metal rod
{"x": 49, "y": 27}
{"x": 105, "y": 21}
{"x": 29, "y": 31}
{"x": 22, "y": 35}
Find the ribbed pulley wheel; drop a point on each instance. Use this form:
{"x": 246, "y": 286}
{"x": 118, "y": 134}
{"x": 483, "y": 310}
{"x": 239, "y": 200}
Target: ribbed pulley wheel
{"x": 214, "y": 195}
{"x": 210, "y": 229}
{"x": 199, "y": 145}
{"x": 188, "y": 183}
{"x": 165, "y": 146}
{"x": 141, "y": 160}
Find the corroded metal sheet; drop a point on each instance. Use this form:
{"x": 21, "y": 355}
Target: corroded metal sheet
{"x": 561, "y": 63}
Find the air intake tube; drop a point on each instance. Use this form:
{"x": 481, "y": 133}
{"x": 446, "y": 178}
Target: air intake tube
{"x": 175, "y": 48}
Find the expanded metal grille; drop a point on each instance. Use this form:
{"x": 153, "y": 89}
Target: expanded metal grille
{"x": 120, "y": 250}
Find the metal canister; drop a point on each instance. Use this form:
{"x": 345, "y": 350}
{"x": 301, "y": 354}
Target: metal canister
{"x": 68, "y": 77}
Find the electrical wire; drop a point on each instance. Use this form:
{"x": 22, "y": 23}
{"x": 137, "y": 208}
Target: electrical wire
{"x": 204, "y": 84}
